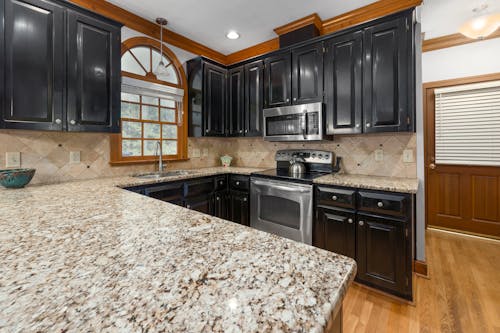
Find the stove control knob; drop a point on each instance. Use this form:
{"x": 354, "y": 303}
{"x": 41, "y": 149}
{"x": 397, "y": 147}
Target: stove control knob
{"x": 320, "y": 156}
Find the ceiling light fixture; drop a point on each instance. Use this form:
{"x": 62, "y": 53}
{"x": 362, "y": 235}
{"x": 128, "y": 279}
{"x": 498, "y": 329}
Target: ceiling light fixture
{"x": 233, "y": 35}
{"x": 482, "y": 24}
{"x": 161, "y": 70}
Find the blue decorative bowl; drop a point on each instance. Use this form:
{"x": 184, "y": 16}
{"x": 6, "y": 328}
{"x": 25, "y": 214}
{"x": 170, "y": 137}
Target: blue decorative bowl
{"x": 16, "y": 178}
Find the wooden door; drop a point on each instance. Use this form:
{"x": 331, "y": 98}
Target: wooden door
{"x": 307, "y": 74}
{"x": 277, "y": 80}
{"x": 214, "y": 100}
{"x": 94, "y": 74}
{"x": 235, "y": 112}
{"x": 387, "y": 104}
{"x": 459, "y": 197}
{"x": 254, "y": 98}
{"x": 343, "y": 84}
{"x": 32, "y": 78}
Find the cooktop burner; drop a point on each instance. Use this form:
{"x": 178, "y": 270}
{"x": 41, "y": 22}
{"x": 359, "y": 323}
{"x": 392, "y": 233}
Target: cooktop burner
{"x": 283, "y": 174}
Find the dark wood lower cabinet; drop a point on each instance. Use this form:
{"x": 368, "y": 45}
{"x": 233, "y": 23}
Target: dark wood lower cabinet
{"x": 335, "y": 231}
{"x": 239, "y": 207}
{"x": 202, "y": 204}
{"x": 221, "y": 204}
{"x": 382, "y": 254}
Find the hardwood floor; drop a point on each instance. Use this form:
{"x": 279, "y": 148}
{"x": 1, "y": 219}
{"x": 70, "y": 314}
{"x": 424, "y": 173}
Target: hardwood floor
{"x": 462, "y": 294}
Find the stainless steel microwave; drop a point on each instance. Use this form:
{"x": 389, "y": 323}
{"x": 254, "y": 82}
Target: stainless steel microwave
{"x": 294, "y": 123}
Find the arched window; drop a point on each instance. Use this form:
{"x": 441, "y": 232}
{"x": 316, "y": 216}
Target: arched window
{"x": 152, "y": 107}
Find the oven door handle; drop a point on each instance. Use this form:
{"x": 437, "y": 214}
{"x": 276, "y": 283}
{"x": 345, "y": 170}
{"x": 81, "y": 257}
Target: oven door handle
{"x": 304, "y": 124}
{"x": 282, "y": 188}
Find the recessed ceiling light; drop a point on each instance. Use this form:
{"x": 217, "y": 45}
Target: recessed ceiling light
{"x": 233, "y": 35}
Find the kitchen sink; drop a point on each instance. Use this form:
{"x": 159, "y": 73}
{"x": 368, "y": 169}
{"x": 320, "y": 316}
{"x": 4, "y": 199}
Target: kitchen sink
{"x": 154, "y": 175}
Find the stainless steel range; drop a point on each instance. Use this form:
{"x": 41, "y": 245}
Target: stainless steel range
{"x": 281, "y": 201}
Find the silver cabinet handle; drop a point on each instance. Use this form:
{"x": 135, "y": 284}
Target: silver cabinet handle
{"x": 221, "y": 182}
{"x": 206, "y": 131}
{"x": 368, "y": 125}
{"x": 294, "y": 99}
{"x": 58, "y": 121}
{"x": 72, "y": 122}
{"x": 218, "y": 198}
{"x": 380, "y": 204}
{"x": 357, "y": 125}
{"x": 361, "y": 223}
{"x": 237, "y": 183}
{"x": 188, "y": 206}
{"x": 288, "y": 100}
{"x": 350, "y": 221}
{"x": 241, "y": 131}
{"x": 245, "y": 199}
{"x": 334, "y": 198}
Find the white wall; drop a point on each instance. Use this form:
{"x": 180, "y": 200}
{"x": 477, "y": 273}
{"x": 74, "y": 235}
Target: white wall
{"x": 461, "y": 61}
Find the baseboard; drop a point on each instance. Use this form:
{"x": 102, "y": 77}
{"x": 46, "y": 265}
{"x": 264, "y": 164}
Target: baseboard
{"x": 464, "y": 233}
{"x": 420, "y": 268}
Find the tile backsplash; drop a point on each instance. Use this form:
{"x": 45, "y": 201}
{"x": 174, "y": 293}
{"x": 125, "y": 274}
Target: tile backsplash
{"x": 49, "y": 152}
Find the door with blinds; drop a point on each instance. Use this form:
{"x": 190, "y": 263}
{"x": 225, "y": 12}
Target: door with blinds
{"x": 463, "y": 157}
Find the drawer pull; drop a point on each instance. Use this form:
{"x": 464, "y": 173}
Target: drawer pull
{"x": 218, "y": 198}
{"x": 350, "y": 221}
{"x": 221, "y": 182}
{"x": 361, "y": 223}
{"x": 380, "y": 204}
{"x": 237, "y": 183}
{"x": 245, "y": 199}
{"x": 334, "y": 198}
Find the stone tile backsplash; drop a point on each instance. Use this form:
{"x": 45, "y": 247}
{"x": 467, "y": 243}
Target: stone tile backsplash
{"x": 48, "y": 152}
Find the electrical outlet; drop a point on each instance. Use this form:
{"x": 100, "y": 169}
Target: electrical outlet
{"x": 379, "y": 155}
{"x": 74, "y": 157}
{"x": 13, "y": 159}
{"x": 195, "y": 153}
{"x": 205, "y": 152}
{"x": 408, "y": 156}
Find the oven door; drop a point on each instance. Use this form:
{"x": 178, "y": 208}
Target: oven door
{"x": 282, "y": 208}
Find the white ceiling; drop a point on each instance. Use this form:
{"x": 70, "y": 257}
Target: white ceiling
{"x": 444, "y": 17}
{"x": 208, "y": 21}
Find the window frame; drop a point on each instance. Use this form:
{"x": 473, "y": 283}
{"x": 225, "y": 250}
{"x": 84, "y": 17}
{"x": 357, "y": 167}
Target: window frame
{"x": 116, "y": 157}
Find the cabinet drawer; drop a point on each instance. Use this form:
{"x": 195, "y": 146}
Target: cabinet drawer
{"x": 240, "y": 183}
{"x": 339, "y": 197}
{"x": 166, "y": 192}
{"x": 383, "y": 203}
{"x": 199, "y": 187}
{"x": 220, "y": 183}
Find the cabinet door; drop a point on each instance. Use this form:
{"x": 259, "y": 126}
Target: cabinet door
{"x": 214, "y": 100}
{"x": 386, "y": 77}
{"x": 239, "y": 208}
{"x": 307, "y": 74}
{"x": 336, "y": 231}
{"x": 277, "y": 80}
{"x": 343, "y": 84}
{"x": 202, "y": 204}
{"x": 235, "y": 112}
{"x": 254, "y": 98}
{"x": 382, "y": 254}
{"x": 220, "y": 204}
{"x": 94, "y": 74}
{"x": 32, "y": 53}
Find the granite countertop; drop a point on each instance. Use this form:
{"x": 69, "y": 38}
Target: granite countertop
{"x": 90, "y": 256}
{"x": 392, "y": 184}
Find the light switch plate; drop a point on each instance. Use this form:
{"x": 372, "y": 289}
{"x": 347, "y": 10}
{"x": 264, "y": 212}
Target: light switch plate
{"x": 195, "y": 153}
{"x": 408, "y": 156}
{"x": 13, "y": 159}
{"x": 205, "y": 152}
{"x": 74, "y": 157}
{"x": 379, "y": 155}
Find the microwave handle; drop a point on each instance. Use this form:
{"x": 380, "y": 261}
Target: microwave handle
{"x": 304, "y": 124}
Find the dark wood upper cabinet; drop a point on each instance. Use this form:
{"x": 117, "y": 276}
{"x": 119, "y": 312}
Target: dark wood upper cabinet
{"x": 214, "y": 100}
{"x": 343, "y": 84}
{"x": 387, "y": 76}
{"x": 93, "y": 74}
{"x": 254, "y": 98}
{"x": 277, "y": 80}
{"x": 307, "y": 74}
{"x": 61, "y": 73}
{"x": 33, "y": 61}
{"x": 235, "y": 112}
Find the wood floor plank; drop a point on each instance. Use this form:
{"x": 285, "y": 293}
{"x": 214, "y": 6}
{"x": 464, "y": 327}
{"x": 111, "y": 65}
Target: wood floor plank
{"x": 462, "y": 294}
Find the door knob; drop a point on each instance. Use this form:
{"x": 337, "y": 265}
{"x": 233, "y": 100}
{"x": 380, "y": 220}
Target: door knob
{"x": 432, "y": 166}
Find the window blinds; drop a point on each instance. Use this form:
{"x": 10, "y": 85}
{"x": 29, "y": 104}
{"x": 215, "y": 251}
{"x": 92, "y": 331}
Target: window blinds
{"x": 468, "y": 124}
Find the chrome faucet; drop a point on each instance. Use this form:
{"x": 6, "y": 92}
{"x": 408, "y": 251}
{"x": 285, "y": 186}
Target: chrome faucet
{"x": 160, "y": 157}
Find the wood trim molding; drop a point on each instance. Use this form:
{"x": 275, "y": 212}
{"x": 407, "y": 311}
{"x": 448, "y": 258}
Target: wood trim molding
{"x": 253, "y": 51}
{"x": 367, "y": 13}
{"x": 452, "y": 40}
{"x": 149, "y": 28}
{"x": 420, "y": 268}
{"x": 462, "y": 80}
{"x": 300, "y": 23}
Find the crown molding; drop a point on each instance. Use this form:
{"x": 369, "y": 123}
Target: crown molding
{"x": 300, "y": 23}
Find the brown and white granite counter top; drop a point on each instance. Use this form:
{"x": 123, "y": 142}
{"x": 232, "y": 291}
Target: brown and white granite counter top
{"x": 89, "y": 256}
{"x": 392, "y": 184}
